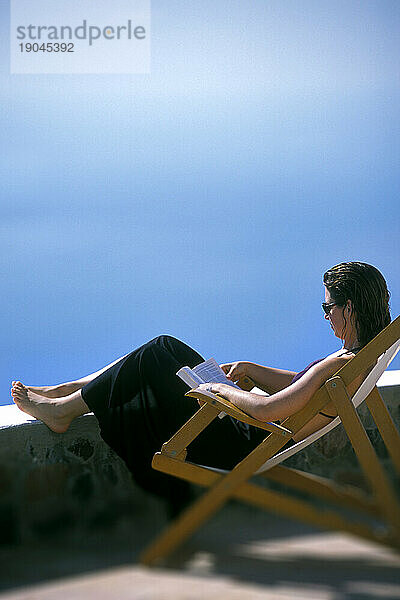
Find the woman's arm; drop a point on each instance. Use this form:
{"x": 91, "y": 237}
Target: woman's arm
{"x": 266, "y": 378}
{"x": 286, "y": 402}
{"x": 269, "y": 379}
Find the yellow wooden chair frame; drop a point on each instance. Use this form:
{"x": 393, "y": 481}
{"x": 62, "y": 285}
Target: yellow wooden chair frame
{"x": 382, "y": 504}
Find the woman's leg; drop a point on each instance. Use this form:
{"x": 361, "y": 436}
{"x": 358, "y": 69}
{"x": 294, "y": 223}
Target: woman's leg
{"x": 65, "y": 389}
{"x": 58, "y": 405}
{"x": 57, "y": 414}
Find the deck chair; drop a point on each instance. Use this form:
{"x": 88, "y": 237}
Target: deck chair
{"x": 381, "y": 510}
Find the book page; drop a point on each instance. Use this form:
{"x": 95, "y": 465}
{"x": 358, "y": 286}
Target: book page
{"x": 210, "y": 372}
{"x": 190, "y": 377}
{"x": 206, "y": 372}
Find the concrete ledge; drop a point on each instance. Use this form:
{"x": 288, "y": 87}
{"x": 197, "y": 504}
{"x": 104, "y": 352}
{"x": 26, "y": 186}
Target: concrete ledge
{"x": 66, "y": 486}
{"x": 72, "y": 486}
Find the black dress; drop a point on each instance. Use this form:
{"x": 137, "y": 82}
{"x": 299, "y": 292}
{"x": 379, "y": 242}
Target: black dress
{"x": 139, "y": 403}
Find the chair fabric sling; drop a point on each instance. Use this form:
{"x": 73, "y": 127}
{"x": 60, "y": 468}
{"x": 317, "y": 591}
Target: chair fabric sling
{"x": 265, "y": 459}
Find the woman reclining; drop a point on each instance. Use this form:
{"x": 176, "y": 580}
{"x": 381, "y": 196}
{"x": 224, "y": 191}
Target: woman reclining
{"x": 139, "y": 401}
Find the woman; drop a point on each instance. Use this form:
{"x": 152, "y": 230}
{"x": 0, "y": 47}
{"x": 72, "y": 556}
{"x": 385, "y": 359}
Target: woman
{"x": 139, "y": 401}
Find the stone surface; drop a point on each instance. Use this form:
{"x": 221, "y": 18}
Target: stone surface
{"x": 64, "y": 486}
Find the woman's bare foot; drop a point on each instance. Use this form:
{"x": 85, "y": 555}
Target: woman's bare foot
{"x": 54, "y": 391}
{"x": 52, "y": 412}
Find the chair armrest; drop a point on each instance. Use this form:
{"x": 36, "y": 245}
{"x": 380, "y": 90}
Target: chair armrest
{"x": 235, "y": 412}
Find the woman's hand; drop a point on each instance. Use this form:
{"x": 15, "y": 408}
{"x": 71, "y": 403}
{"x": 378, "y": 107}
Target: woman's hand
{"x": 214, "y": 388}
{"x": 234, "y": 371}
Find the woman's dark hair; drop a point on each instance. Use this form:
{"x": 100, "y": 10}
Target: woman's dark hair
{"x": 366, "y": 287}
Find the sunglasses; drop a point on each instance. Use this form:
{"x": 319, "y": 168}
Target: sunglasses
{"x": 326, "y": 306}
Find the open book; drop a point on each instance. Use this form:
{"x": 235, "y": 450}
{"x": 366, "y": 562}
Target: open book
{"x": 210, "y": 372}
{"x": 206, "y": 372}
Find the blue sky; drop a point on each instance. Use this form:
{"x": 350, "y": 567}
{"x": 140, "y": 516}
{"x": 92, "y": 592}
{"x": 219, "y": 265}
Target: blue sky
{"x": 206, "y": 199}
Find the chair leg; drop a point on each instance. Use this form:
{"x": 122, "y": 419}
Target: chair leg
{"x": 365, "y": 452}
{"x": 385, "y": 425}
{"x": 184, "y": 526}
{"x": 275, "y": 502}
{"x": 202, "y": 509}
